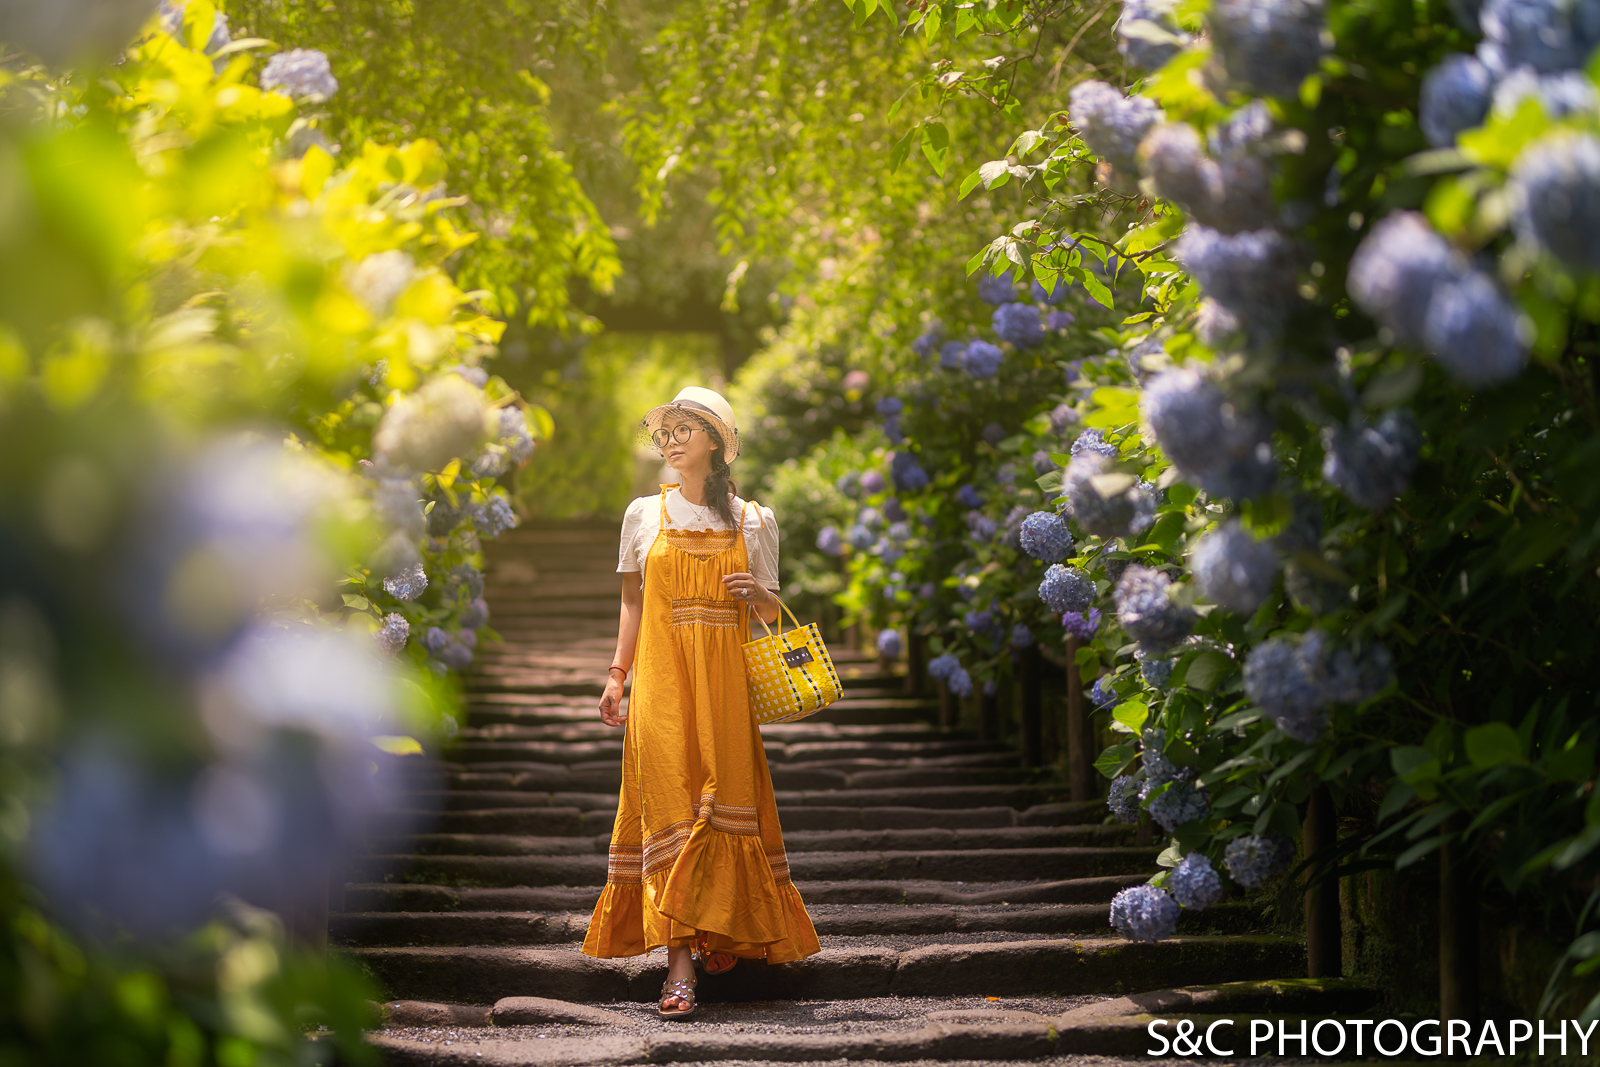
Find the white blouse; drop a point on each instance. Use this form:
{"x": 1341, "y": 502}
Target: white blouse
{"x": 642, "y": 522}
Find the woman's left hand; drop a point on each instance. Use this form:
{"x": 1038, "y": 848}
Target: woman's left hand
{"x": 744, "y": 587}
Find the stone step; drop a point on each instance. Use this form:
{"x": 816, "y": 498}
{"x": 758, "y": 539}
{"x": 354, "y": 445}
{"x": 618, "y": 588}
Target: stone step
{"x": 376, "y": 928}
{"x": 795, "y": 841}
{"x": 548, "y": 821}
{"x": 910, "y": 893}
{"x": 606, "y": 775}
{"x": 908, "y": 966}
{"x": 956, "y": 866}
{"x": 1041, "y": 799}
{"x": 823, "y": 755}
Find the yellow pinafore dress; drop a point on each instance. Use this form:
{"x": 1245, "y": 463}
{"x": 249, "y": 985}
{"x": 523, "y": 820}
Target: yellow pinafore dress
{"x": 696, "y": 849}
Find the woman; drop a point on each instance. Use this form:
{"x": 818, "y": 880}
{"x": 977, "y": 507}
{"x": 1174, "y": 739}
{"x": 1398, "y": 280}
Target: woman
{"x": 697, "y": 858}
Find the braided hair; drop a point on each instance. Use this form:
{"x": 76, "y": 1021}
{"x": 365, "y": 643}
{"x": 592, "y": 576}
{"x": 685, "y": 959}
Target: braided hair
{"x": 720, "y": 486}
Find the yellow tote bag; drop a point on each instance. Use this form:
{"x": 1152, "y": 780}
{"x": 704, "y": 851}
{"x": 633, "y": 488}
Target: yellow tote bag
{"x": 791, "y": 674}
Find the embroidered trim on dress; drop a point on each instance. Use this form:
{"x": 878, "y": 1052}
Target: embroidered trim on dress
{"x": 661, "y": 848}
{"x": 729, "y": 818}
{"x": 625, "y": 864}
{"x": 721, "y": 614}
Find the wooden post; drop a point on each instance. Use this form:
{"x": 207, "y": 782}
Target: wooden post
{"x": 989, "y": 716}
{"x": 1080, "y": 743}
{"x": 916, "y": 664}
{"x": 1030, "y": 739}
{"x": 949, "y": 707}
{"x": 1320, "y": 832}
{"x": 1458, "y": 931}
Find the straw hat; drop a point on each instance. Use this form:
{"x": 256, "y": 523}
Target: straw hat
{"x": 703, "y": 403}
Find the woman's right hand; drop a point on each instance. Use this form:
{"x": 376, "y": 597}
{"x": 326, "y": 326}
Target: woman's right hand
{"x": 611, "y": 702}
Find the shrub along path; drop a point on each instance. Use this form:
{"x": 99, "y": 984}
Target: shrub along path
{"x": 933, "y": 864}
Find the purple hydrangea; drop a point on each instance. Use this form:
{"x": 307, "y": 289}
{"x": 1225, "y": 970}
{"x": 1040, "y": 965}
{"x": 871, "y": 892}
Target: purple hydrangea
{"x": 890, "y": 405}
{"x": 1101, "y": 694}
{"x": 1059, "y": 320}
{"x": 1123, "y": 798}
{"x": 899, "y": 531}
{"x": 1270, "y": 46}
{"x": 982, "y": 359}
{"x": 1147, "y": 612}
{"x": 927, "y": 343}
{"x": 1147, "y": 36}
{"x": 465, "y": 582}
{"x": 968, "y": 497}
{"x": 952, "y": 355}
{"x": 303, "y": 73}
{"x": 893, "y": 510}
{"x": 435, "y": 639}
{"x": 408, "y": 584}
{"x": 1019, "y": 324}
{"x": 494, "y": 517}
{"x": 1194, "y": 883}
{"x": 942, "y": 666}
{"x": 891, "y": 430}
{"x": 475, "y": 614}
{"x": 1042, "y": 463}
{"x": 1254, "y": 858}
{"x": 391, "y": 636}
{"x": 1111, "y": 124}
{"x": 997, "y": 288}
{"x": 981, "y": 526}
{"x": 1372, "y": 465}
{"x": 1066, "y": 589}
{"x": 1454, "y": 98}
{"x": 870, "y": 517}
{"x": 829, "y": 541}
{"x": 908, "y": 475}
{"x": 1081, "y": 625}
{"x": 860, "y": 537}
{"x": 1045, "y": 537}
{"x": 960, "y": 683}
{"x": 1105, "y": 510}
{"x": 1021, "y": 636}
{"x": 1062, "y": 418}
{"x": 1158, "y": 769}
{"x": 1555, "y": 197}
{"x": 1180, "y": 802}
{"x": 1157, "y": 673}
{"x": 889, "y": 643}
{"x": 873, "y": 482}
{"x": 848, "y": 483}
{"x": 1235, "y": 569}
{"x": 1093, "y": 441}
{"x": 1144, "y": 913}
{"x": 457, "y": 654}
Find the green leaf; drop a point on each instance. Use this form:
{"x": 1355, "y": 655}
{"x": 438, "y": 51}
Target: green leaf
{"x": 936, "y": 146}
{"x": 1290, "y": 767}
{"x": 1572, "y": 764}
{"x": 360, "y": 603}
{"x": 1417, "y": 851}
{"x": 1050, "y": 483}
{"x": 1492, "y": 744}
{"x": 1400, "y": 794}
{"x": 995, "y": 173}
{"x": 970, "y": 183}
{"x": 1207, "y": 670}
{"x": 1170, "y": 857}
{"x": 902, "y": 148}
{"x": 1132, "y": 714}
{"x": 1578, "y": 848}
{"x": 1113, "y": 760}
{"x": 1238, "y": 718}
{"x": 1094, "y": 286}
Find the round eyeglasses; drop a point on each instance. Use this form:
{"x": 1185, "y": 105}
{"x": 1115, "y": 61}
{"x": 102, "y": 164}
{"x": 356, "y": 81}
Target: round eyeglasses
{"x": 680, "y": 434}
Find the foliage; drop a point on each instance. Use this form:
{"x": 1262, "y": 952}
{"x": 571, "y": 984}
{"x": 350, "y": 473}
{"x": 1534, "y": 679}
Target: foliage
{"x": 252, "y": 451}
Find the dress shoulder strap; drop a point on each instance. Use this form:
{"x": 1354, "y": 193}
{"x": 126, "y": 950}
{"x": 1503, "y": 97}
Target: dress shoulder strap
{"x": 761, "y": 519}
{"x": 665, "y": 489}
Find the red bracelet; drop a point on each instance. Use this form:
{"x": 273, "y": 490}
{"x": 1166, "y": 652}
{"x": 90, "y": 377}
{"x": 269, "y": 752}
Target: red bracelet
{"x": 614, "y": 667}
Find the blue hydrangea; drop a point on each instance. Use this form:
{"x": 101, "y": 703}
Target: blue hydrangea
{"x": 435, "y": 639}
{"x": 1111, "y": 124}
{"x": 1144, "y": 913}
{"x": 1157, "y": 673}
{"x": 303, "y": 73}
{"x": 909, "y": 477}
{"x": 1147, "y": 35}
{"x": 892, "y": 431}
{"x": 890, "y": 405}
{"x": 873, "y": 482}
{"x": 1235, "y": 569}
{"x": 1253, "y": 858}
{"x": 942, "y": 666}
{"x": 1197, "y": 426}
{"x": 408, "y": 584}
{"x": 1147, "y": 612}
{"x": 890, "y": 552}
{"x": 870, "y": 517}
{"x": 1179, "y": 803}
{"x": 1555, "y": 197}
{"x": 1055, "y": 292}
{"x": 899, "y": 531}
{"x": 1372, "y": 465}
{"x": 1472, "y": 330}
{"x": 465, "y": 582}
{"x": 981, "y": 527}
{"x": 494, "y": 517}
{"x": 1066, "y": 589}
{"x": 860, "y": 537}
{"x": 1113, "y": 566}
{"x": 1356, "y": 674}
{"x": 1541, "y": 34}
{"x": 515, "y": 435}
{"x": 1059, "y": 320}
{"x": 1454, "y": 97}
{"x": 1194, "y": 883}
{"x": 960, "y": 683}
{"x": 391, "y": 636}
{"x": 978, "y": 621}
{"x": 1158, "y": 769}
{"x": 1021, "y": 636}
{"x": 398, "y": 503}
{"x": 457, "y": 654}
{"x": 443, "y": 516}
{"x": 997, "y": 289}
{"x": 1123, "y": 798}
{"x": 475, "y": 614}
{"x": 1100, "y": 514}
{"x": 927, "y": 591}
{"x": 1062, "y": 418}
{"x": 968, "y": 497}
{"x": 893, "y": 510}
{"x": 1246, "y": 477}
{"x": 829, "y": 541}
{"x": 1093, "y": 441}
{"x": 1019, "y": 324}
{"x": 1101, "y": 694}
{"x": 1251, "y": 273}
{"x": 1283, "y": 679}
{"x": 927, "y": 343}
{"x": 1558, "y": 95}
{"x": 982, "y": 359}
{"x": 1216, "y": 326}
{"x": 1228, "y": 189}
{"x": 1270, "y": 46}
{"x": 952, "y": 355}
{"x": 1395, "y": 270}
{"x": 889, "y": 643}
{"x": 171, "y": 14}
{"x": 1045, "y": 537}
{"x": 848, "y": 483}
{"x": 1081, "y": 625}
{"x": 1013, "y": 525}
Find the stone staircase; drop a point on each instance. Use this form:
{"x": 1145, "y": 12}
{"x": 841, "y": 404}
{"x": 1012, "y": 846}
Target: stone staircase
{"x": 934, "y": 866}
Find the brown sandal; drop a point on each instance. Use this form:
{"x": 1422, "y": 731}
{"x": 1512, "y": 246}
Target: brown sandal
{"x": 713, "y": 962}
{"x": 681, "y": 989}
